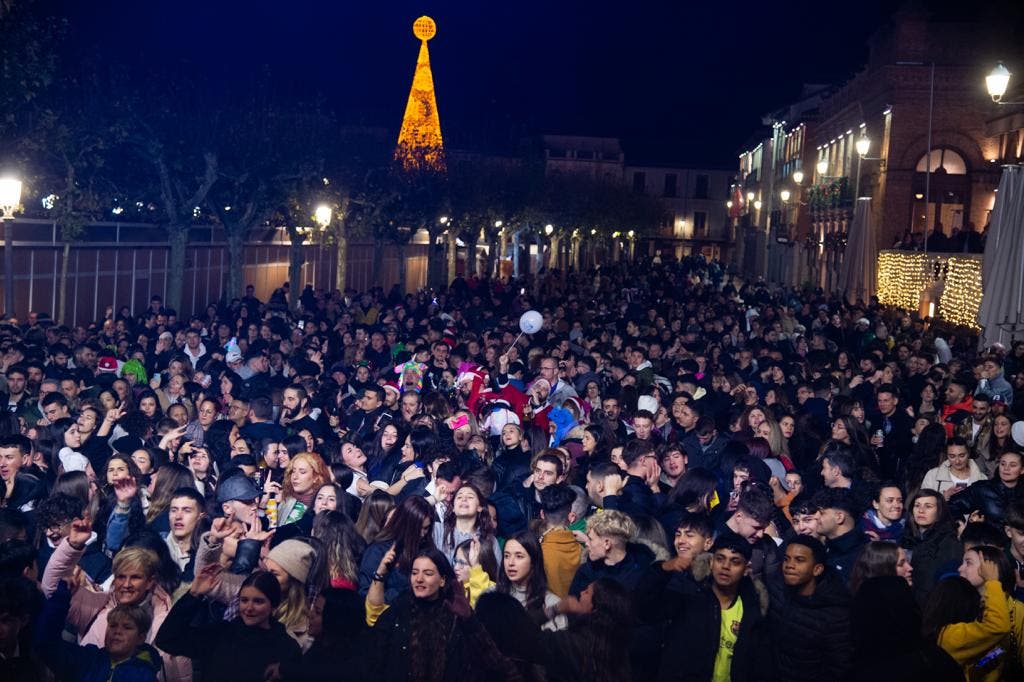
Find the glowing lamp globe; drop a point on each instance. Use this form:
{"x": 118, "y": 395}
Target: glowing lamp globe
{"x": 863, "y": 145}
{"x": 997, "y": 81}
{"x": 822, "y": 167}
{"x": 10, "y": 194}
{"x": 798, "y": 177}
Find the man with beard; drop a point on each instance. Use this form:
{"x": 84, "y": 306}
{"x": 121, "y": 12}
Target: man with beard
{"x": 296, "y": 412}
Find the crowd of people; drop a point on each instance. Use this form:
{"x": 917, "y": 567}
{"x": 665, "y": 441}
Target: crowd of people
{"x": 680, "y": 476}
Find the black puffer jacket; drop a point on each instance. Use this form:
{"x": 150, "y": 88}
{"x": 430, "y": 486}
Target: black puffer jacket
{"x": 811, "y": 635}
{"x": 468, "y": 653}
{"x": 692, "y": 640}
{"x": 990, "y": 497}
{"x": 627, "y": 572}
{"x": 224, "y": 650}
{"x": 930, "y": 552}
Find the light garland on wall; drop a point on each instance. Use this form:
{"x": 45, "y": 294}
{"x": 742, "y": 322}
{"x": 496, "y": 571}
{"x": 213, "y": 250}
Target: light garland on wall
{"x": 903, "y": 277}
{"x": 961, "y": 298}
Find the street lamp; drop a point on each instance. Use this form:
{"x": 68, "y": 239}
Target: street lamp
{"x": 498, "y": 223}
{"x": 757, "y": 205}
{"x": 548, "y": 229}
{"x": 822, "y": 167}
{"x": 798, "y": 177}
{"x": 750, "y": 196}
{"x": 443, "y": 220}
{"x": 593, "y": 231}
{"x": 863, "y": 145}
{"x": 323, "y": 216}
{"x": 785, "y": 195}
{"x": 10, "y": 198}
{"x": 997, "y": 81}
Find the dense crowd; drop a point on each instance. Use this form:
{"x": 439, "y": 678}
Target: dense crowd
{"x": 673, "y": 479}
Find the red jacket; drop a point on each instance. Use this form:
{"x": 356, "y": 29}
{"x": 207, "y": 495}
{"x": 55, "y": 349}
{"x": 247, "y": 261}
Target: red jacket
{"x": 950, "y": 417}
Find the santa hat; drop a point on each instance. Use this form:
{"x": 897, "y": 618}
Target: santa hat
{"x": 392, "y": 386}
{"x": 107, "y": 364}
{"x": 497, "y": 414}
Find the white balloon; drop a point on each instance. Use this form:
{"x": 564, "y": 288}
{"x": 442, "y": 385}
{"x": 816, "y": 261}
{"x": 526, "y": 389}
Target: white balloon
{"x": 531, "y": 322}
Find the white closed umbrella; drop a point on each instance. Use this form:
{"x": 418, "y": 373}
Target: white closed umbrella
{"x": 857, "y": 277}
{"x": 1002, "y": 302}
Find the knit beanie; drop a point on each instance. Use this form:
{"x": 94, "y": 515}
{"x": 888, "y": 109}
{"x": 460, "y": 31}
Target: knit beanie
{"x": 295, "y": 557}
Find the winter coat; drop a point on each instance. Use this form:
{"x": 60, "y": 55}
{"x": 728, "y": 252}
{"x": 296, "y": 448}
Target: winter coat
{"x": 931, "y": 551}
{"x": 89, "y": 610}
{"x": 636, "y": 499}
{"x": 968, "y": 643}
{"x": 991, "y": 498}
{"x": 811, "y": 635}
{"x": 396, "y": 582}
{"x": 469, "y": 653}
{"x": 72, "y": 662}
{"x": 693, "y": 639}
{"x": 842, "y": 553}
{"x": 627, "y": 572}
{"x": 225, "y": 650}
{"x": 562, "y": 556}
{"x": 940, "y": 478}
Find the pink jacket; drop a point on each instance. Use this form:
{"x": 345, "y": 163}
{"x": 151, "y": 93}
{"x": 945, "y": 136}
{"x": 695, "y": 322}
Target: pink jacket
{"x": 89, "y": 609}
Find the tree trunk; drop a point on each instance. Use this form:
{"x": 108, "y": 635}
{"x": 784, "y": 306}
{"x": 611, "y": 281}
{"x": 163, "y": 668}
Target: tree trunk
{"x": 453, "y": 256}
{"x": 177, "y": 237}
{"x": 62, "y": 295}
{"x": 435, "y": 260}
{"x": 401, "y": 267}
{"x": 378, "y": 262}
{"x": 471, "y": 260}
{"x": 236, "y": 264}
{"x": 492, "y": 252}
{"x": 295, "y": 269}
{"x": 341, "y": 247}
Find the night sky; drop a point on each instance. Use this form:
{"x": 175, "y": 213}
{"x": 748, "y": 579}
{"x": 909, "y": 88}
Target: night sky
{"x": 679, "y": 81}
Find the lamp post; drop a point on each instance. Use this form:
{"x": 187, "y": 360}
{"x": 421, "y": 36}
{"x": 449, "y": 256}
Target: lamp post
{"x": 10, "y": 198}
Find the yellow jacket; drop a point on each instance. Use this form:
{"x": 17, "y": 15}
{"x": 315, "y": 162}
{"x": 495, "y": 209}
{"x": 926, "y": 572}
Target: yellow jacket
{"x": 968, "y": 643}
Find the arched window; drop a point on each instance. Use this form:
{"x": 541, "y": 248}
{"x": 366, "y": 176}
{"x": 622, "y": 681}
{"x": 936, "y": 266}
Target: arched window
{"x": 942, "y": 161}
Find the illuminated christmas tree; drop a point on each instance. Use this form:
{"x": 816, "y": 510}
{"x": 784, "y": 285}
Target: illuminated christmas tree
{"x": 420, "y": 145}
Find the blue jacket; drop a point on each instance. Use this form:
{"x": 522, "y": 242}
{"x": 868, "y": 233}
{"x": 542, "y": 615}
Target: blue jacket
{"x": 88, "y": 663}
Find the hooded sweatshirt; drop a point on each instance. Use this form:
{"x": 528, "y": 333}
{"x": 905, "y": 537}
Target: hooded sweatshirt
{"x": 562, "y": 554}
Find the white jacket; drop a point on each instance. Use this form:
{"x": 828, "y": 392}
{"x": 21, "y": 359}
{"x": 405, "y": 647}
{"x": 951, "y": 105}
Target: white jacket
{"x": 940, "y": 479}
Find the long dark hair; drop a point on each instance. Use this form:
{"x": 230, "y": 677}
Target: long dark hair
{"x": 953, "y": 600}
{"x": 373, "y": 515}
{"x": 405, "y": 529}
{"x": 695, "y": 487}
{"x": 376, "y": 453}
{"x": 432, "y": 621}
{"x": 536, "y": 582}
{"x": 943, "y": 521}
{"x": 342, "y": 545}
{"x": 169, "y": 478}
{"x": 876, "y": 559}
{"x": 928, "y": 453}
{"x": 484, "y": 525}
{"x": 603, "y": 631}
{"x": 265, "y": 582}
{"x": 605, "y": 441}
{"x": 423, "y": 441}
